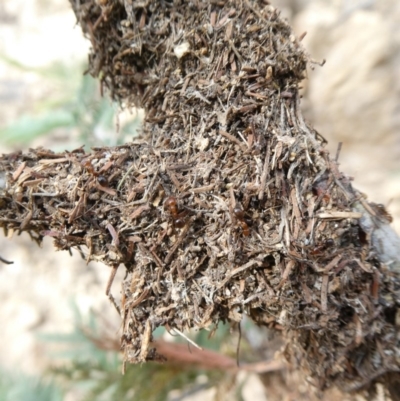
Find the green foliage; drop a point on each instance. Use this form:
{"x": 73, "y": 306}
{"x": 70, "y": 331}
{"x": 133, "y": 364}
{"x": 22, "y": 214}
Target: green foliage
{"x": 26, "y": 128}
{"x": 149, "y": 382}
{"x": 76, "y": 108}
{"x": 96, "y": 373}
{"x": 20, "y": 387}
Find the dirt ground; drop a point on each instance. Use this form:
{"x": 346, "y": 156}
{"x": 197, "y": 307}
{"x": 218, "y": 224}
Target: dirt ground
{"x": 354, "y": 99}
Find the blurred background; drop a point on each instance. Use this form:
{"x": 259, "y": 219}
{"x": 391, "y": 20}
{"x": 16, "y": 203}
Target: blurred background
{"x": 59, "y": 335}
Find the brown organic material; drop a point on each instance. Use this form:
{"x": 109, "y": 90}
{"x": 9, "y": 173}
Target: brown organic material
{"x": 228, "y": 204}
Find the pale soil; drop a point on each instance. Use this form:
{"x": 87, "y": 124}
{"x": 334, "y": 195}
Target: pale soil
{"x": 354, "y": 98}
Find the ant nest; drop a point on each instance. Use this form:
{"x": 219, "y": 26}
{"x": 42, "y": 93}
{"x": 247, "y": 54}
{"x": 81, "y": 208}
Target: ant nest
{"x": 228, "y": 204}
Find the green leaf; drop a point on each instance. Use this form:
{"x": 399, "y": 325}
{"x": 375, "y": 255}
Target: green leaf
{"x": 27, "y": 128}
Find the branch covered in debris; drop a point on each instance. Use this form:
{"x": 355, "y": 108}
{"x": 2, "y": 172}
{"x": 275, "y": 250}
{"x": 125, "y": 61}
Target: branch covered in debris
{"x": 229, "y": 203}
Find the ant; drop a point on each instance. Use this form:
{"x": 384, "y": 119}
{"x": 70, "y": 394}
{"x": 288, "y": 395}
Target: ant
{"x": 89, "y": 167}
{"x": 100, "y": 178}
{"x": 239, "y": 214}
{"x": 178, "y": 218}
{"x": 322, "y": 247}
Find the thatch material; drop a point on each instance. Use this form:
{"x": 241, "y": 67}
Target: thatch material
{"x": 229, "y": 203}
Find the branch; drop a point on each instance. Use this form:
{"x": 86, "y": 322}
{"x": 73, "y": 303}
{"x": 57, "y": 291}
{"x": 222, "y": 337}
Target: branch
{"x": 229, "y": 204}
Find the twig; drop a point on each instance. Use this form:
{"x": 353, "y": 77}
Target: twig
{"x": 5, "y": 261}
{"x": 111, "y": 278}
{"x": 232, "y": 138}
{"x": 337, "y": 215}
{"x": 187, "y": 338}
{"x": 339, "y": 148}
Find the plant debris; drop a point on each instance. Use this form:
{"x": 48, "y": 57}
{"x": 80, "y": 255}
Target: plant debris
{"x": 228, "y": 204}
